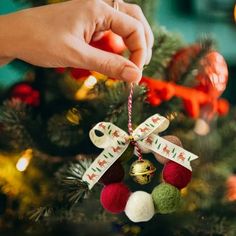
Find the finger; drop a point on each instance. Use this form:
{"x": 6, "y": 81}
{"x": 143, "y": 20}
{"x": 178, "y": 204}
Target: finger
{"x": 136, "y": 12}
{"x": 131, "y": 30}
{"x": 110, "y": 64}
{"x": 98, "y": 35}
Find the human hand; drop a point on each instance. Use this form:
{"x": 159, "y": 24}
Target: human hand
{"x": 58, "y": 35}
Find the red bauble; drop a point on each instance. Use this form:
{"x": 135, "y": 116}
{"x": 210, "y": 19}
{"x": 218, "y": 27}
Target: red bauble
{"x": 114, "y": 174}
{"x": 176, "y": 175}
{"x": 114, "y": 197}
{"x": 26, "y": 94}
{"x": 110, "y": 42}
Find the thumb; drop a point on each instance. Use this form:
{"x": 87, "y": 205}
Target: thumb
{"x": 110, "y": 64}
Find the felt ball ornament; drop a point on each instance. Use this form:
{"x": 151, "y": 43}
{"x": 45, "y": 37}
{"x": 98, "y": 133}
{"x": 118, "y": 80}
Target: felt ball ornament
{"x": 172, "y": 139}
{"x": 140, "y": 207}
{"x": 176, "y": 175}
{"x": 114, "y": 174}
{"x": 166, "y": 198}
{"x": 114, "y": 197}
{"x": 142, "y": 171}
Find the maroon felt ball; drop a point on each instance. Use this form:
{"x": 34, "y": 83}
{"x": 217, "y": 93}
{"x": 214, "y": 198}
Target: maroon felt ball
{"x": 114, "y": 174}
{"x": 176, "y": 175}
{"x": 114, "y": 197}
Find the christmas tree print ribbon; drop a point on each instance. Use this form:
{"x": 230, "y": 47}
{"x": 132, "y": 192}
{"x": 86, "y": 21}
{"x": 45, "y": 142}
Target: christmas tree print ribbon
{"x": 115, "y": 141}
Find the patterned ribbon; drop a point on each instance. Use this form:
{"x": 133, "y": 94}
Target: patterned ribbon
{"x": 115, "y": 141}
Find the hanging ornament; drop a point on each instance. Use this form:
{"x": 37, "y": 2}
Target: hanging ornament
{"x": 212, "y": 75}
{"x": 25, "y": 93}
{"x": 142, "y": 171}
{"x": 116, "y": 197}
{"x": 73, "y": 116}
{"x": 211, "y": 78}
{"x": 231, "y": 188}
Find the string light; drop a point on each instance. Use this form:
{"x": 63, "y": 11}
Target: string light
{"x": 24, "y": 160}
{"x": 90, "y": 82}
{"x": 83, "y": 91}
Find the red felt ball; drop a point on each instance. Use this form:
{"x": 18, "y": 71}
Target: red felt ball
{"x": 176, "y": 175}
{"x": 114, "y": 197}
{"x": 114, "y": 174}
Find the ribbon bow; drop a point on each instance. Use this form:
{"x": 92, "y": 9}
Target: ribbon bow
{"x": 115, "y": 141}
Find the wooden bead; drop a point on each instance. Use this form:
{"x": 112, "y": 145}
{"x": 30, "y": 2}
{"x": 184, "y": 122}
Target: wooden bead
{"x": 173, "y": 139}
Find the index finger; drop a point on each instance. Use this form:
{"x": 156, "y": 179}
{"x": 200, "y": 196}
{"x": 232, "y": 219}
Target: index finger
{"x": 132, "y": 31}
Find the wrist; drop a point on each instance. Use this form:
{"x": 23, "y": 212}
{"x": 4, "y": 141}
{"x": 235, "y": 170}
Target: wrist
{"x": 8, "y": 37}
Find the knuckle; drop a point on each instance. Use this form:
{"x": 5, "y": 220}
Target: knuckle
{"x": 139, "y": 27}
{"x": 137, "y": 9}
{"x": 106, "y": 66}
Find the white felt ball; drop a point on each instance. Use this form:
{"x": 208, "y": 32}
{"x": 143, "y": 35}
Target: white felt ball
{"x": 140, "y": 207}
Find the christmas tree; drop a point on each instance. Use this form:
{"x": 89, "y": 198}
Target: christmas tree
{"x": 45, "y": 147}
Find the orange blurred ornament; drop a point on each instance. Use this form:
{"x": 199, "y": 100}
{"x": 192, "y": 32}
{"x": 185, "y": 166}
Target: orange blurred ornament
{"x": 212, "y": 74}
{"x": 110, "y": 42}
{"x": 231, "y": 188}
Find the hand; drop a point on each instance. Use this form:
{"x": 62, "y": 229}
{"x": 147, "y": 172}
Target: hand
{"x": 58, "y": 35}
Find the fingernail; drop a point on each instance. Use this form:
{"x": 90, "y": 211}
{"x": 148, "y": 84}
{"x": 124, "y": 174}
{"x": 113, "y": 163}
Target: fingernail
{"x": 131, "y": 74}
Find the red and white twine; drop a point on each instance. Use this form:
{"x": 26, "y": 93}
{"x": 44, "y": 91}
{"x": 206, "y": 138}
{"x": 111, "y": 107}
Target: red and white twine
{"x": 130, "y": 128}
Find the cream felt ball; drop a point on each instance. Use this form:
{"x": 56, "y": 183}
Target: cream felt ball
{"x": 166, "y": 198}
{"x": 140, "y": 207}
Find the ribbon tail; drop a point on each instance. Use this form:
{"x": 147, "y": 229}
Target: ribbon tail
{"x": 168, "y": 150}
{"x": 101, "y": 164}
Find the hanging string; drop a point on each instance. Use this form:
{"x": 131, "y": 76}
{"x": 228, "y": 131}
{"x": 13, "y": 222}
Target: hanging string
{"x": 130, "y": 128}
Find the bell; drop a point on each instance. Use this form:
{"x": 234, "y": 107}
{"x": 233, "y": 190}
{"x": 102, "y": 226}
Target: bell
{"x": 142, "y": 171}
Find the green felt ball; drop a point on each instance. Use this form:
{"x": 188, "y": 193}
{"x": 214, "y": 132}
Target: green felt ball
{"x": 166, "y": 198}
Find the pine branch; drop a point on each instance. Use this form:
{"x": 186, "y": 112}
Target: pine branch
{"x": 41, "y": 213}
{"x": 70, "y": 180}
{"x": 15, "y": 117}
{"x": 165, "y": 46}
{"x": 116, "y": 101}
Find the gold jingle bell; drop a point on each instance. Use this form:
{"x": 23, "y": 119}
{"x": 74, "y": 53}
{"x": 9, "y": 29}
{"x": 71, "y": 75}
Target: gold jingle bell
{"x": 142, "y": 171}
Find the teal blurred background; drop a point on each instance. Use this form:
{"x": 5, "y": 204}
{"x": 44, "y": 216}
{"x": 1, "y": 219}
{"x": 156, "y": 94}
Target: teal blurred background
{"x": 190, "y": 18}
